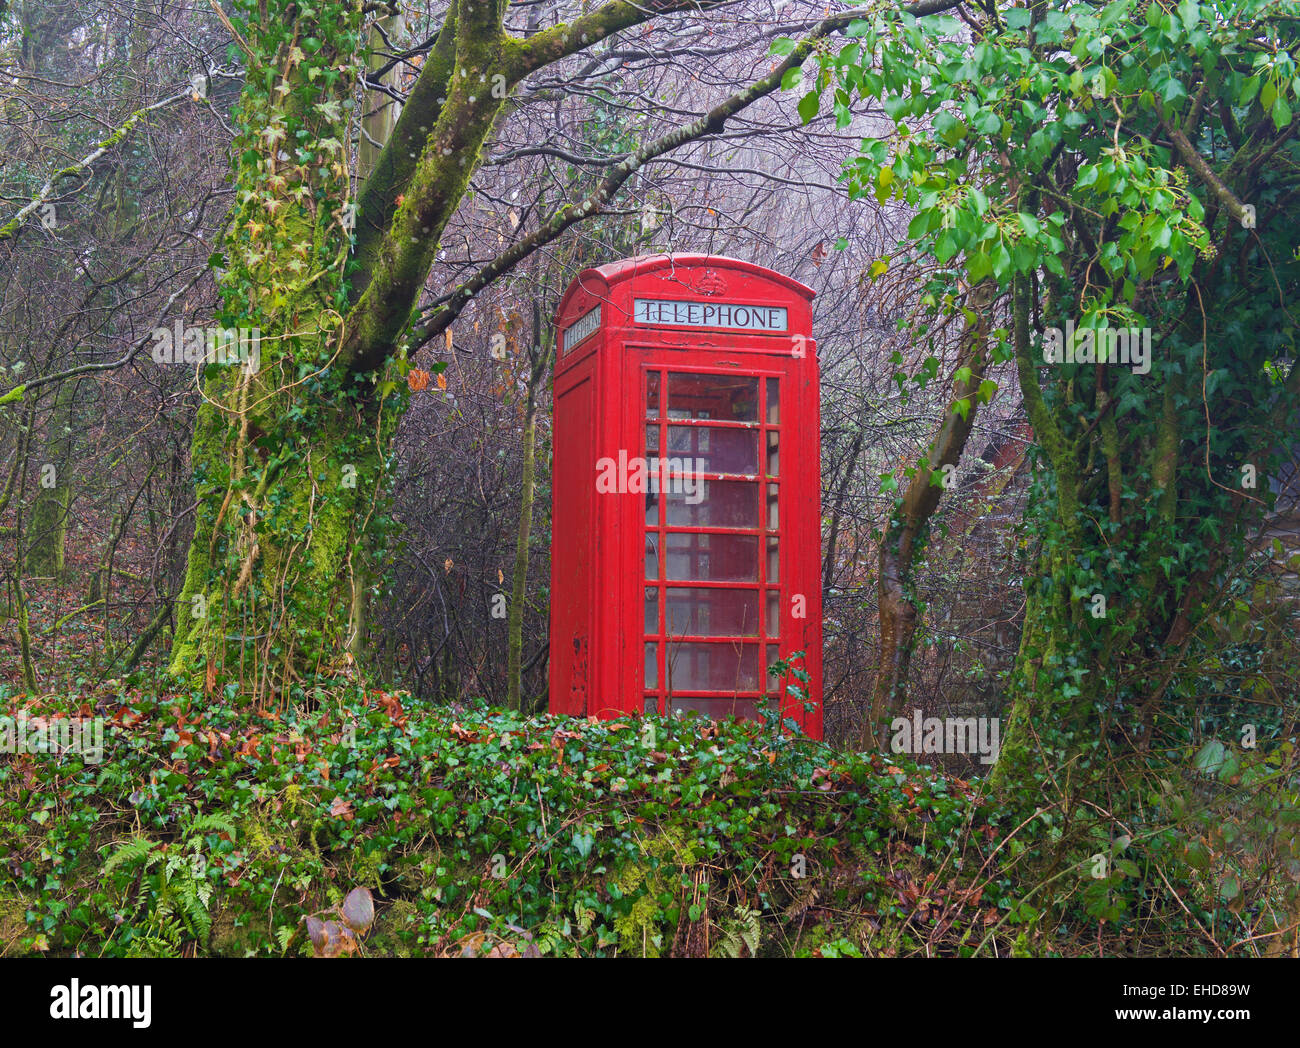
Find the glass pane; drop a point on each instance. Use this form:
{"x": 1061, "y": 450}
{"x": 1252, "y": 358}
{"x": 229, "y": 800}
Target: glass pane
{"x": 773, "y": 561}
{"x": 651, "y": 704}
{"x": 680, "y": 439}
{"x": 773, "y": 453}
{"x": 773, "y": 613}
{"x": 652, "y": 507}
{"x": 716, "y": 504}
{"x": 699, "y": 666}
{"x": 652, "y": 556}
{"x": 715, "y": 450}
{"x": 773, "y": 517}
{"x": 652, "y": 440}
{"x": 718, "y": 708}
{"x": 712, "y": 558}
{"x": 726, "y": 397}
{"x": 652, "y": 394}
{"x": 712, "y": 612}
{"x": 773, "y": 402}
{"x": 652, "y": 609}
{"x": 652, "y": 665}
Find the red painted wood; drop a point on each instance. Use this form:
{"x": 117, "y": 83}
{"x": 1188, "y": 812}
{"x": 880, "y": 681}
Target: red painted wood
{"x": 710, "y": 580}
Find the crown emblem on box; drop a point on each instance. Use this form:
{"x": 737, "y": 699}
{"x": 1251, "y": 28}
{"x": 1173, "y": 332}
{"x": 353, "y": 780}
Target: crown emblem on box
{"x": 711, "y": 283}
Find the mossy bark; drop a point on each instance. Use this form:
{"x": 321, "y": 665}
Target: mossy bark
{"x": 48, "y": 531}
{"x": 1034, "y": 695}
{"x": 274, "y": 564}
{"x": 286, "y": 444}
{"x": 540, "y": 361}
{"x": 908, "y": 530}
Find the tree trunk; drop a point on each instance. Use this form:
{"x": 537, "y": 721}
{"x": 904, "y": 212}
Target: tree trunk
{"x": 539, "y": 360}
{"x": 519, "y": 577}
{"x": 48, "y": 529}
{"x": 908, "y": 530}
{"x": 270, "y": 586}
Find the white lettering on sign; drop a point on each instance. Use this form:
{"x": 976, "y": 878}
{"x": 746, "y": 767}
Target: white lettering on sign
{"x": 709, "y": 314}
{"x": 581, "y": 328}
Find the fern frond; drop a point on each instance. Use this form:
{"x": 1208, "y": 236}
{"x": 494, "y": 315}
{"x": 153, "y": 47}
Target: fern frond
{"x": 151, "y": 946}
{"x": 211, "y": 821}
{"x": 749, "y": 928}
{"x": 196, "y": 915}
{"x": 739, "y": 933}
{"x": 131, "y": 852}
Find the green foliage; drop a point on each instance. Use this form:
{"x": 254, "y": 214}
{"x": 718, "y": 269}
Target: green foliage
{"x": 1131, "y": 165}
{"x": 219, "y": 830}
{"x": 832, "y": 948}
{"x": 1042, "y": 156}
{"x": 741, "y": 934}
{"x": 174, "y": 889}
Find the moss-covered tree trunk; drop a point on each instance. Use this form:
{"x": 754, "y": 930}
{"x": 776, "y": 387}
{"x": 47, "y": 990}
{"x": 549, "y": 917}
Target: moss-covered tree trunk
{"x": 1135, "y": 526}
{"x": 290, "y": 459}
{"x": 285, "y": 444}
{"x": 519, "y": 576}
{"x": 381, "y": 110}
{"x": 47, "y": 530}
{"x": 269, "y": 589}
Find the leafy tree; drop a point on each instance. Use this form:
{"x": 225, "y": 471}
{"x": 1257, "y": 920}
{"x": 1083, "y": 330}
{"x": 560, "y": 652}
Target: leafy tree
{"x": 1132, "y": 165}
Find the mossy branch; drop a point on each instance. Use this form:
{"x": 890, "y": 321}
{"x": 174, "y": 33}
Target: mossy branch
{"x": 11, "y": 228}
{"x": 1202, "y": 170}
{"x": 18, "y": 392}
{"x": 377, "y": 200}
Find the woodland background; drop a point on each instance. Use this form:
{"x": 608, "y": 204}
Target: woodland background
{"x": 921, "y": 168}
{"x": 111, "y": 557}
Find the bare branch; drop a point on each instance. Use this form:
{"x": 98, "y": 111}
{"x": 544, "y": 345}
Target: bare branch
{"x": 710, "y": 123}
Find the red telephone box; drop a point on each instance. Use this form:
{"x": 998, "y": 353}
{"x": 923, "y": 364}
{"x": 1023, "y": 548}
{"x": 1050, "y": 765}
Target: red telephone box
{"x": 686, "y": 519}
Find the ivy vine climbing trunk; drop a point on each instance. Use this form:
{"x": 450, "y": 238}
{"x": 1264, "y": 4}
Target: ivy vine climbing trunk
{"x": 1138, "y": 201}
{"x": 285, "y": 444}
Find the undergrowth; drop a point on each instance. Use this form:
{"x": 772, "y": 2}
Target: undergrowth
{"x": 210, "y": 828}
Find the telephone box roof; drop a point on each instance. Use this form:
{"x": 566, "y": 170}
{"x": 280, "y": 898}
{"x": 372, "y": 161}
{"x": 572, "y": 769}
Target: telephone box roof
{"x": 616, "y": 272}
